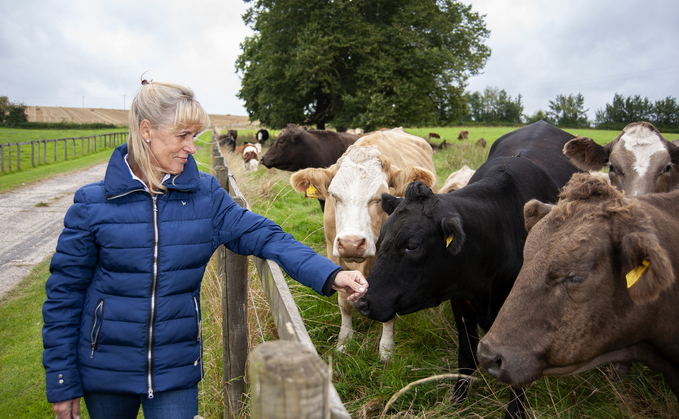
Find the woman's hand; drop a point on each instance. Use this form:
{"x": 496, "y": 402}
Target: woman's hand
{"x": 69, "y": 409}
{"x": 352, "y": 283}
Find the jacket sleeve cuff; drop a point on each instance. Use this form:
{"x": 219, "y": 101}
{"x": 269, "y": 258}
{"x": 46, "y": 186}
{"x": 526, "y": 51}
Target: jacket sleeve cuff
{"x": 327, "y": 287}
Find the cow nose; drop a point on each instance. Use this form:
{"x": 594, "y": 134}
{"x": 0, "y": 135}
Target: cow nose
{"x": 490, "y": 360}
{"x": 352, "y": 246}
{"x": 363, "y": 306}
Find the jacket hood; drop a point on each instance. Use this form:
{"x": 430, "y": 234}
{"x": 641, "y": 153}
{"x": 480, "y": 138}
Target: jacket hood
{"x": 118, "y": 181}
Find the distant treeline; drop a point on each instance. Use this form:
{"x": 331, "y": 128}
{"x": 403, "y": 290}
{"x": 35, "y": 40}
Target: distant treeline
{"x": 57, "y": 125}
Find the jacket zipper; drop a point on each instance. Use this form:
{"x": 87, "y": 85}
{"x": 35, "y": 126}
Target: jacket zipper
{"x": 152, "y": 309}
{"x": 96, "y": 325}
{"x": 198, "y": 328}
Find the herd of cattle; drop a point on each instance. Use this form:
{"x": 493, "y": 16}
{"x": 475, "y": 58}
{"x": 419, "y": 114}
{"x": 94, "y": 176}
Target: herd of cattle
{"x": 564, "y": 270}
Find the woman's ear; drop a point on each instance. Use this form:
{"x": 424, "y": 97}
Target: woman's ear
{"x": 145, "y": 130}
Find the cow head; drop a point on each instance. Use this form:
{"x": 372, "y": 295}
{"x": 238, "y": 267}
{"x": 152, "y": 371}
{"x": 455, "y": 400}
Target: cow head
{"x": 571, "y": 307}
{"x": 281, "y": 153}
{"x": 352, "y": 189}
{"x": 416, "y": 240}
{"x": 640, "y": 160}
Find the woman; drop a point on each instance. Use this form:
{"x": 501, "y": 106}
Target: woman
{"x": 122, "y": 315}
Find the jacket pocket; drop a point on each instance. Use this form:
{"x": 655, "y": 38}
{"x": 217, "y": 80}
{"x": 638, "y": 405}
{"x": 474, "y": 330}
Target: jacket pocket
{"x": 97, "y": 319}
{"x": 197, "y": 313}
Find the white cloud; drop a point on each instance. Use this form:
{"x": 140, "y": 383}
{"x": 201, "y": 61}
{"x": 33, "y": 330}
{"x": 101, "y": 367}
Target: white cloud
{"x": 64, "y": 53}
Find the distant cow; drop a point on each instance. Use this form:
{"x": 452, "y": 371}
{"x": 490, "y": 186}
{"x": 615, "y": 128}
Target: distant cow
{"x": 262, "y": 135}
{"x": 481, "y": 142}
{"x": 640, "y": 160}
{"x": 457, "y": 179}
{"x": 433, "y": 135}
{"x": 599, "y": 284}
{"x": 466, "y": 246}
{"x": 250, "y": 152}
{"x": 227, "y": 141}
{"x": 297, "y": 148}
{"x": 233, "y": 133}
{"x": 379, "y": 162}
{"x": 463, "y": 135}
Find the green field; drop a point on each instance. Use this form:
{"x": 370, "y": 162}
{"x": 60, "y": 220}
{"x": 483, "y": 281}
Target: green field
{"x": 426, "y": 341}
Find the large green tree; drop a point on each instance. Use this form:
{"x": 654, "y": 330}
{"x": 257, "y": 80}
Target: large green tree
{"x": 359, "y": 63}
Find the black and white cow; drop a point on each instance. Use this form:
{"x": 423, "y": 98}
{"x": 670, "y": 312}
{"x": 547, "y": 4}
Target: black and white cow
{"x": 466, "y": 246}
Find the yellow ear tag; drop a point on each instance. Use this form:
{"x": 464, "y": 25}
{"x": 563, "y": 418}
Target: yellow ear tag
{"x": 634, "y": 275}
{"x": 448, "y": 240}
{"x": 311, "y": 192}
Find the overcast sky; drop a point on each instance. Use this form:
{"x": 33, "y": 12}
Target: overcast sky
{"x": 84, "y": 53}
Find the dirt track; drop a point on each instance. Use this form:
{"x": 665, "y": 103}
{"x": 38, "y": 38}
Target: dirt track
{"x": 32, "y": 218}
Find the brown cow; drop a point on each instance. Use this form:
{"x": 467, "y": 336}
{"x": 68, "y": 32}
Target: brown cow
{"x": 433, "y": 135}
{"x": 640, "y": 160}
{"x": 463, "y": 135}
{"x": 481, "y": 142}
{"x": 598, "y": 285}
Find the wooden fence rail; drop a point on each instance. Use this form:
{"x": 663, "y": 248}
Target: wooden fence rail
{"x": 94, "y": 143}
{"x": 232, "y": 270}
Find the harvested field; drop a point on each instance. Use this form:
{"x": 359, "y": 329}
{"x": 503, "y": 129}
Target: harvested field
{"x": 115, "y": 116}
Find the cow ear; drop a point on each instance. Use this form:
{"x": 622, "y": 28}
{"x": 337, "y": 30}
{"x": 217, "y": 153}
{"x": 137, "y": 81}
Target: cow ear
{"x": 400, "y": 179}
{"x": 646, "y": 265}
{"x": 673, "y": 149}
{"x": 534, "y": 211}
{"x": 586, "y": 154}
{"x": 390, "y": 202}
{"x": 453, "y": 234}
{"x": 313, "y": 182}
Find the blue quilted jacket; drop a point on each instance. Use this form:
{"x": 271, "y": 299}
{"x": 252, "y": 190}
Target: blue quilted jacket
{"x": 123, "y": 300}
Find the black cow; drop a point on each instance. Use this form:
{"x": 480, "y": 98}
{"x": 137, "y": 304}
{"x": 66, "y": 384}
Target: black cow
{"x": 226, "y": 140}
{"x": 297, "y": 148}
{"x": 466, "y": 246}
{"x": 262, "y": 135}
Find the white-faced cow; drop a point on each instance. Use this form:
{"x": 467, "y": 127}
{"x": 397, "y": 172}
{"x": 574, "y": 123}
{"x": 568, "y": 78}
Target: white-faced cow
{"x": 640, "y": 160}
{"x": 296, "y": 148}
{"x": 466, "y": 246}
{"x": 384, "y": 161}
{"x": 598, "y": 284}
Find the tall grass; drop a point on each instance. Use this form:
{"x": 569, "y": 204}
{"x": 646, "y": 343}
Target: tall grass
{"x": 426, "y": 341}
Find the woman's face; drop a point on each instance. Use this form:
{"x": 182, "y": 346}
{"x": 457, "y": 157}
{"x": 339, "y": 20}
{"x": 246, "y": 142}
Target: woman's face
{"x": 171, "y": 149}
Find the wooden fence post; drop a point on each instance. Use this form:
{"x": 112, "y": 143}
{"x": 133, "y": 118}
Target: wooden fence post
{"x": 33, "y": 153}
{"x": 2, "y": 151}
{"x": 288, "y": 380}
{"x": 18, "y": 156}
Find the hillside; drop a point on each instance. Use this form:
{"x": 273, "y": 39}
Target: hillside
{"x": 115, "y": 116}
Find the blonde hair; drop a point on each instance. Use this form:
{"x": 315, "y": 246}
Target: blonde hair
{"x": 162, "y": 104}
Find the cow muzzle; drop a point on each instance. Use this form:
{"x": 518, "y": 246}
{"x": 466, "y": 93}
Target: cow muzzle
{"x": 508, "y": 365}
{"x": 352, "y": 248}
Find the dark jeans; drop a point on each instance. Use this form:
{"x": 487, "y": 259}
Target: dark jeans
{"x": 176, "y": 404}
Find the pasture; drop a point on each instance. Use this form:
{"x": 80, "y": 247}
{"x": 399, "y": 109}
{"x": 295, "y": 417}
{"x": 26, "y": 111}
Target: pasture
{"x": 426, "y": 341}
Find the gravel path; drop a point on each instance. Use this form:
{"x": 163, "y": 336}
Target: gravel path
{"x": 32, "y": 218}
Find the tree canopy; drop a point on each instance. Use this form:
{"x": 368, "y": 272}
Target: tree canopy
{"x": 568, "y": 111}
{"x": 664, "y": 113}
{"x": 359, "y": 63}
{"x": 495, "y": 106}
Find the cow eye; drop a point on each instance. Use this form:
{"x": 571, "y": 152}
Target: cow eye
{"x": 611, "y": 169}
{"x": 412, "y": 247}
{"x": 572, "y": 280}
{"x": 667, "y": 168}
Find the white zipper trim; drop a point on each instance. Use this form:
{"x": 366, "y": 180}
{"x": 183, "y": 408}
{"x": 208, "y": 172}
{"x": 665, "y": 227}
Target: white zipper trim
{"x": 152, "y": 313}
